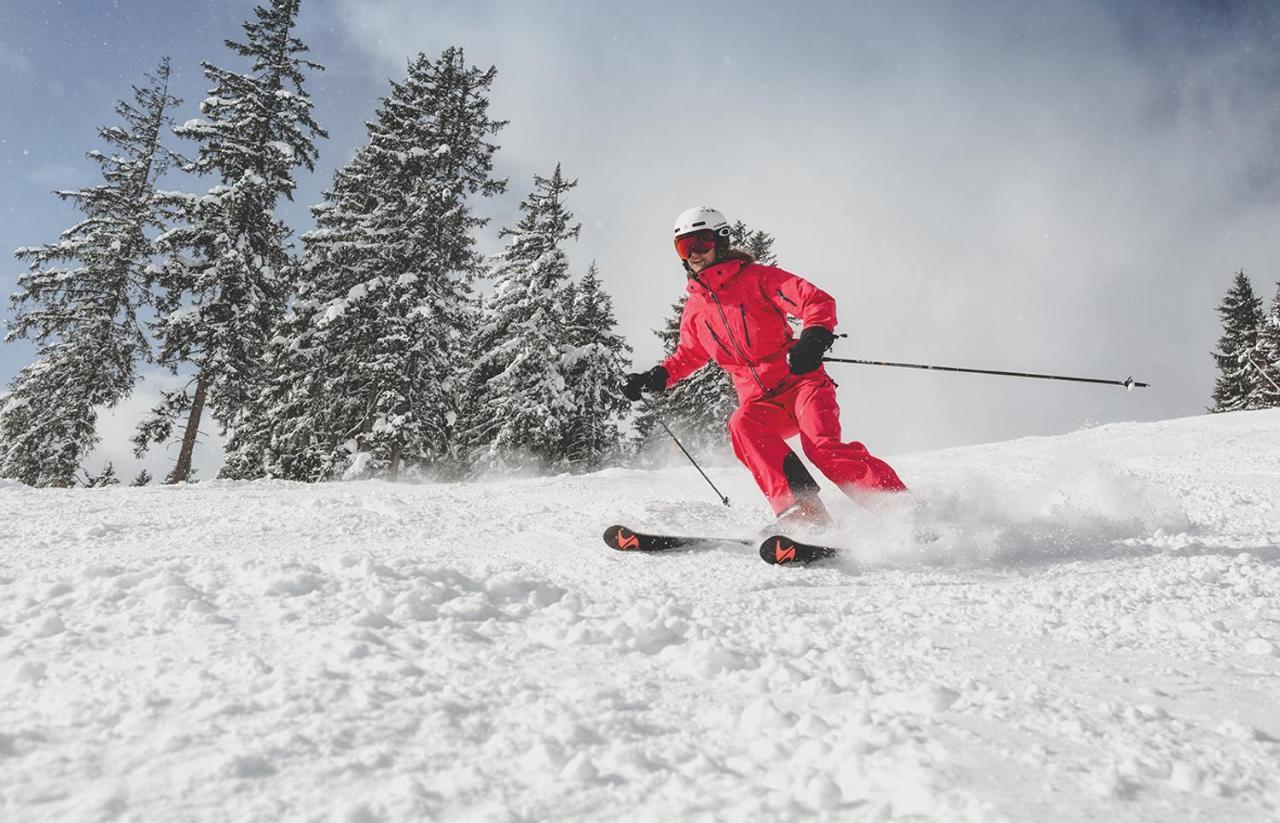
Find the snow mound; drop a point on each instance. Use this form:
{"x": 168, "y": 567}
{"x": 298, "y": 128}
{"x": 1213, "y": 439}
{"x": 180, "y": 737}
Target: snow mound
{"x": 1068, "y": 628}
{"x": 1112, "y": 491}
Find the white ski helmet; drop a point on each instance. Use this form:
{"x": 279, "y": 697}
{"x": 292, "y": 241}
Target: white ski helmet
{"x": 702, "y": 217}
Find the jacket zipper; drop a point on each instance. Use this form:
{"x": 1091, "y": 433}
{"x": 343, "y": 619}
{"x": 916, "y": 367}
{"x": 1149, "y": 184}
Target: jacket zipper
{"x": 729, "y": 329}
{"x": 745, "y": 330}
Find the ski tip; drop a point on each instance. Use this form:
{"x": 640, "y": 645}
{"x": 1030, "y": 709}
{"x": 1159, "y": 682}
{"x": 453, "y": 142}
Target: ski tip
{"x": 621, "y": 538}
{"x": 780, "y": 550}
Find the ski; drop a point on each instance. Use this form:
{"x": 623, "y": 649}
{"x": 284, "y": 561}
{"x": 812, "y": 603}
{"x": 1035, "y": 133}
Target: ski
{"x": 628, "y": 540}
{"x": 780, "y": 550}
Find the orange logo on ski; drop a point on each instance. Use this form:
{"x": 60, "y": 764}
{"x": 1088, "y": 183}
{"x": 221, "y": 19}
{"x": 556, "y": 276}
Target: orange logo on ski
{"x": 626, "y": 540}
{"x": 784, "y": 555}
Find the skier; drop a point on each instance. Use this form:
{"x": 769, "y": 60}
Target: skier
{"x": 736, "y": 315}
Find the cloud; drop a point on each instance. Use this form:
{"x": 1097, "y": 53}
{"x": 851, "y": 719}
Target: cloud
{"x": 1003, "y": 186}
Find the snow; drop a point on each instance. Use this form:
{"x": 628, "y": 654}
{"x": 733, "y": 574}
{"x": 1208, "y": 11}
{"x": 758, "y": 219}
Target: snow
{"x": 182, "y": 314}
{"x": 1081, "y": 627}
{"x": 332, "y": 312}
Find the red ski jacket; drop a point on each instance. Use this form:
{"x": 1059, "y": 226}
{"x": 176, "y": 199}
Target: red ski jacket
{"x": 736, "y": 314}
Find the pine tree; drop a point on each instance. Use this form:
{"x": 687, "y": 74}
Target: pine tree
{"x": 698, "y": 408}
{"x": 595, "y": 365}
{"x": 1269, "y": 356}
{"x": 1238, "y": 386}
{"x": 228, "y": 275}
{"x": 99, "y": 481}
{"x": 364, "y": 374}
{"x": 81, "y": 298}
{"x": 758, "y": 244}
{"x": 520, "y": 407}
{"x": 143, "y": 478}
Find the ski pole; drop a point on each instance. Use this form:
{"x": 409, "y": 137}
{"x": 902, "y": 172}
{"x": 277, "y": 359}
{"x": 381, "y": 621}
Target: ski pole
{"x": 658, "y": 416}
{"x": 1128, "y": 382}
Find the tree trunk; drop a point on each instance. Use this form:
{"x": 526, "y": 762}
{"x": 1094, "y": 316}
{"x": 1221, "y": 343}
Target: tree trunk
{"x": 182, "y": 469}
{"x": 395, "y": 462}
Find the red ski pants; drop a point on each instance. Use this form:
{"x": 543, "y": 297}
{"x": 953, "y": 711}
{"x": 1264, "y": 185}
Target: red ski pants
{"x": 759, "y": 430}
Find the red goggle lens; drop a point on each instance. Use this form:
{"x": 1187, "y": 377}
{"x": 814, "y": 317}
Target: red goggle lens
{"x": 698, "y": 241}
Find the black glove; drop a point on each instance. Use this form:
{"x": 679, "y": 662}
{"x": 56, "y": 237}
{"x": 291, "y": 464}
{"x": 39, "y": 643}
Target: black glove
{"x": 654, "y": 380}
{"x": 806, "y": 354}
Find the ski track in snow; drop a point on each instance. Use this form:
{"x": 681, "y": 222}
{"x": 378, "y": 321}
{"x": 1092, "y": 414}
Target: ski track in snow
{"x": 1084, "y": 627}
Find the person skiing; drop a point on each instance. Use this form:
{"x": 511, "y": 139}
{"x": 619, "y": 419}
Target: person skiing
{"x": 736, "y": 314}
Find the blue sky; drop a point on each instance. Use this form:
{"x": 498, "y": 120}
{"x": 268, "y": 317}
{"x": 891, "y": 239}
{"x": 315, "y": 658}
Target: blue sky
{"x": 1061, "y": 187}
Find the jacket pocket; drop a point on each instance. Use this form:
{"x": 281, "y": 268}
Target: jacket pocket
{"x": 716, "y": 338}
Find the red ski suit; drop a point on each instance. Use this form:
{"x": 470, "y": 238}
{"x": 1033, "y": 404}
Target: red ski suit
{"x": 736, "y": 314}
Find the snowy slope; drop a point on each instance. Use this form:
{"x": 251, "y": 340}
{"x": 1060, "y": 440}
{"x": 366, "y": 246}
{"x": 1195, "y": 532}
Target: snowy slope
{"x": 1082, "y": 628}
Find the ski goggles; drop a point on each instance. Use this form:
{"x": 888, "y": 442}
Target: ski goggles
{"x": 700, "y": 242}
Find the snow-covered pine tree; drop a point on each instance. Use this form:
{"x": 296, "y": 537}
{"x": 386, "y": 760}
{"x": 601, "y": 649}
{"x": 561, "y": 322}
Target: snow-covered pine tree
{"x": 363, "y": 376}
{"x": 595, "y": 364}
{"x": 1269, "y": 355}
{"x": 227, "y": 275}
{"x": 758, "y": 244}
{"x": 519, "y": 408}
{"x": 1237, "y": 387}
{"x": 101, "y": 481}
{"x": 81, "y": 299}
{"x": 698, "y": 408}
